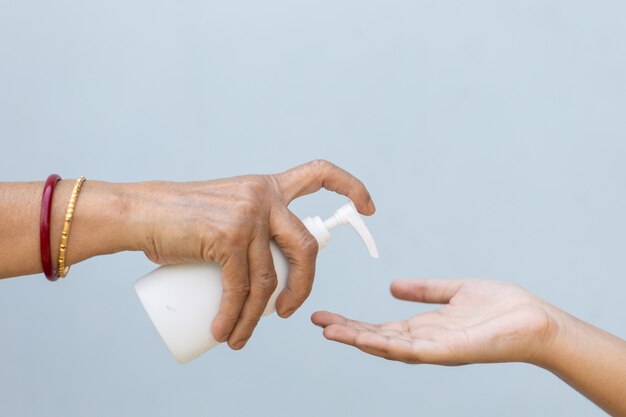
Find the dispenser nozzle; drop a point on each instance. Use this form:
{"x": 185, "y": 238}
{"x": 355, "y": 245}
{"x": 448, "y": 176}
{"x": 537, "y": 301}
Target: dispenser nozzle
{"x": 346, "y": 214}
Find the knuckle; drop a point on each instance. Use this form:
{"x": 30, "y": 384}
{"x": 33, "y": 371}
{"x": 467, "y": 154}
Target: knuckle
{"x": 237, "y": 237}
{"x": 234, "y": 237}
{"x": 248, "y": 207}
{"x": 321, "y": 164}
{"x": 309, "y": 245}
{"x": 266, "y": 282}
{"x": 238, "y": 291}
{"x": 253, "y": 200}
{"x": 256, "y": 188}
{"x": 259, "y": 184}
{"x": 220, "y": 235}
{"x": 229, "y": 241}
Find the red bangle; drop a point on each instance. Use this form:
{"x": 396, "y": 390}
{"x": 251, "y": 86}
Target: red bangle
{"x": 44, "y": 227}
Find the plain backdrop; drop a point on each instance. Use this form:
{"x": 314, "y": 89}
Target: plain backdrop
{"x": 491, "y": 134}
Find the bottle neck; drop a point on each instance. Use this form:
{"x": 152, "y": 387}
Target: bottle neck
{"x": 318, "y": 229}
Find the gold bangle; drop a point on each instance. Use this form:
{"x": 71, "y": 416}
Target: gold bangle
{"x": 62, "y": 270}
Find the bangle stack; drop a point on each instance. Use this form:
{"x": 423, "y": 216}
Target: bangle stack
{"x": 44, "y": 228}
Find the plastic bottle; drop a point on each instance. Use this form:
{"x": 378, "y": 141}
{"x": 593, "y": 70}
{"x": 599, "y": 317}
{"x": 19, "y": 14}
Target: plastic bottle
{"x": 183, "y": 300}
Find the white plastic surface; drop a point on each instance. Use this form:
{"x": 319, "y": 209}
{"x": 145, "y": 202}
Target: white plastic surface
{"x": 348, "y": 214}
{"x": 183, "y": 300}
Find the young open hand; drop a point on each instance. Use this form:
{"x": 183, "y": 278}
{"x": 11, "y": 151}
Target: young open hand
{"x": 481, "y": 321}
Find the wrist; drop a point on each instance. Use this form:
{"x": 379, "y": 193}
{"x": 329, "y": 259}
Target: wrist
{"x": 561, "y": 336}
{"x": 140, "y": 203}
{"x": 128, "y": 215}
{"x": 104, "y": 220}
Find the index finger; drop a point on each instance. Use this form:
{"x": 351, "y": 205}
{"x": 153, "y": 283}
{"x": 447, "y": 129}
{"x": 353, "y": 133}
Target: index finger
{"x": 315, "y": 175}
{"x": 436, "y": 291}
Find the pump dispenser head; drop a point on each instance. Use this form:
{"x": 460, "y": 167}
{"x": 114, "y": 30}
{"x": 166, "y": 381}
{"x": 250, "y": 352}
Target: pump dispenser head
{"x": 346, "y": 214}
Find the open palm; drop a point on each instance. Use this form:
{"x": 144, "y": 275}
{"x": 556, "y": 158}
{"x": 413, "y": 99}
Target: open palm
{"x": 482, "y": 321}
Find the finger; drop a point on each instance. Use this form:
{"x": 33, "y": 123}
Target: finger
{"x": 374, "y": 343}
{"x": 392, "y": 348}
{"x": 312, "y": 176}
{"x": 300, "y": 248}
{"x": 262, "y": 285}
{"x": 382, "y": 329}
{"x": 401, "y": 349}
{"x": 426, "y": 290}
{"x": 342, "y": 334}
{"x": 326, "y": 318}
{"x": 236, "y": 287}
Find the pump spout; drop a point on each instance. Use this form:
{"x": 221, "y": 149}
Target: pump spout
{"x": 348, "y": 214}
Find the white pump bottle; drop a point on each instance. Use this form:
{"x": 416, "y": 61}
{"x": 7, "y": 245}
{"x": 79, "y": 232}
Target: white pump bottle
{"x": 183, "y": 300}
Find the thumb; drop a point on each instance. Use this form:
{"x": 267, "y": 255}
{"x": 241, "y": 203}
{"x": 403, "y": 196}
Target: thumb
{"x": 436, "y": 291}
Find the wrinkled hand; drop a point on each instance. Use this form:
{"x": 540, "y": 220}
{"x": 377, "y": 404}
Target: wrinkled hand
{"x": 231, "y": 221}
{"x": 482, "y": 321}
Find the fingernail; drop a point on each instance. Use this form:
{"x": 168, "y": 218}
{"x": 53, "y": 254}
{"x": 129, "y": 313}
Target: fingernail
{"x": 239, "y": 344}
{"x": 288, "y": 313}
{"x": 372, "y": 206}
{"x": 224, "y": 338}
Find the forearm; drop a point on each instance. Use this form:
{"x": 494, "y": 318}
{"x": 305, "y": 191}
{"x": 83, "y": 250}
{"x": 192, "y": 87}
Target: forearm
{"x": 103, "y": 223}
{"x": 590, "y": 360}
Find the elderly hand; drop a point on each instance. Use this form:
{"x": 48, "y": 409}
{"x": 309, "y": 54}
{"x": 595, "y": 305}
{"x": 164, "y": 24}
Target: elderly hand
{"x": 231, "y": 221}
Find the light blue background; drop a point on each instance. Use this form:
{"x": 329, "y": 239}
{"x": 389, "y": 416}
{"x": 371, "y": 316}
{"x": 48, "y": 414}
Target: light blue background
{"x": 491, "y": 134}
